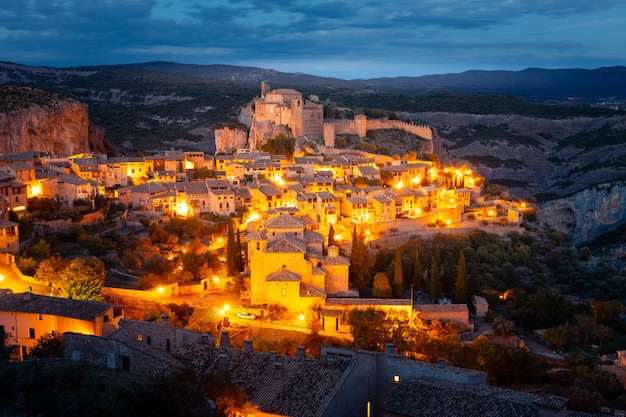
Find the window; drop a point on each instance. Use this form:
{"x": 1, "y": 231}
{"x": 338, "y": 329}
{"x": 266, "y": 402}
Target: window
{"x": 396, "y": 379}
{"x": 40, "y": 316}
{"x": 283, "y": 292}
{"x": 140, "y": 337}
{"x": 258, "y": 246}
{"x": 31, "y": 333}
{"x": 117, "y": 311}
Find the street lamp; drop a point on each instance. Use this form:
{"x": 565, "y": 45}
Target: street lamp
{"x": 161, "y": 290}
{"x": 301, "y": 322}
{"x": 226, "y": 308}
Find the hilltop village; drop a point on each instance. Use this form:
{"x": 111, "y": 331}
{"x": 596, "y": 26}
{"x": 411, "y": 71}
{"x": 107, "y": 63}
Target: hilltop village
{"x": 298, "y": 215}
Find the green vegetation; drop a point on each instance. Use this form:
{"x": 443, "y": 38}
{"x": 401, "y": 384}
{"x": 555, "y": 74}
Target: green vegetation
{"x": 280, "y": 145}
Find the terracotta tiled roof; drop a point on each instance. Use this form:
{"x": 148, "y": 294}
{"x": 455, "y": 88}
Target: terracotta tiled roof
{"x": 305, "y": 388}
{"x": 283, "y": 275}
{"x": 308, "y": 290}
{"x": 336, "y": 260}
{"x": 430, "y": 397}
{"x": 311, "y": 236}
{"x": 368, "y": 301}
{"x": 284, "y": 221}
{"x": 53, "y": 306}
{"x": 285, "y": 243}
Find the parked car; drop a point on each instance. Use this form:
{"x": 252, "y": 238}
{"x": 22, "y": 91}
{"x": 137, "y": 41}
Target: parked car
{"x": 246, "y": 315}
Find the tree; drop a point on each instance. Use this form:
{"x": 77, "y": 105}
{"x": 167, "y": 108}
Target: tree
{"x": 360, "y": 262}
{"x": 48, "y": 346}
{"x": 231, "y": 252}
{"x": 51, "y": 271}
{"x": 434, "y": 279}
{"x": 238, "y": 253}
{"x": 83, "y": 279}
{"x": 382, "y": 289}
{"x": 203, "y": 173}
{"x": 5, "y": 350}
{"x": 331, "y": 235}
{"x": 460, "y": 293}
{"x": 398, "y": 281}
{"x": 417, "y": 271}
{"x": 370, "y": 329}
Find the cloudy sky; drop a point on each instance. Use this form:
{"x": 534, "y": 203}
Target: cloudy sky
{"x": 342, "y": 38}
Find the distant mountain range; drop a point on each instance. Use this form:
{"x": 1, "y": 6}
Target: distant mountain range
{"x": 602, "y": 84}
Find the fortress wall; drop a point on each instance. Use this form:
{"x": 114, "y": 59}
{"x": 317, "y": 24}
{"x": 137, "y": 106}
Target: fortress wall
{"x": 419, "y": 130}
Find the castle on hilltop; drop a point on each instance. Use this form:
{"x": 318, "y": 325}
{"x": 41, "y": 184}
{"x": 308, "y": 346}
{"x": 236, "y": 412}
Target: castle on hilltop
{"x": 284, "y": 110}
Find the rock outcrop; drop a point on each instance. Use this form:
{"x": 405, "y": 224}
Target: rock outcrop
{"x": 261, "y": 132}
{"x": 37, "y": 120}
{"x": 587, "y": 214}
{"x": 230, "y": 137}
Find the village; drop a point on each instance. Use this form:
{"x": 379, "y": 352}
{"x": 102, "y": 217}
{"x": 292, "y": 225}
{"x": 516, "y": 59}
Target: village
{"x": 299, "y": 218}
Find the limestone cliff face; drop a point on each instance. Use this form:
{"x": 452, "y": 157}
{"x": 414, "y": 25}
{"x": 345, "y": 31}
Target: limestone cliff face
{"x": 57, "y": 125}
{"x": 228, "y": 138}
{"x": 589, "y": 213}
{"x": 261, "y": 132}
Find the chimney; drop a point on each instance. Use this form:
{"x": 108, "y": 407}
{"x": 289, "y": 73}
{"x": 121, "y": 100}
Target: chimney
{"x": 278, "y": 370}
{"x": 389, "y": 349}
{"x": 442, "y": 362}
{"x": 225, "y": 340}
{"x": 272, "y": 356}
{"x": 165, "y": 319}
{"x": 248, "y": 346}
{"x": 330, "y": 363}
{"x": 301, "y": 352}
{"x": 222, "y": 362}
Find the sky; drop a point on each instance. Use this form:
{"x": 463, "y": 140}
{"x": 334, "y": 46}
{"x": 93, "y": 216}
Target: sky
{"x": 336, "y": 38}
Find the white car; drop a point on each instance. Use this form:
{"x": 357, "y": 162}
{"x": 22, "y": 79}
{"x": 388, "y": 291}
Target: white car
{"x": 246, "y": 315}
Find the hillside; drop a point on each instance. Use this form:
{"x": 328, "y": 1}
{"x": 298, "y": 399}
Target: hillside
{"x": 536, "y": 148}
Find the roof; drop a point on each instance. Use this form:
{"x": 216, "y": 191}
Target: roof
{"x": 368, "y": 301}
{"x": 309, "y": 290}
{"x": 336, "y": 260}
{"x": 479, "y": 300}
{"x": 283, "y": 275}
{"x": 53, "y": 306}
{"x": 428, "y": 397}
{"x": 305, "y": 388}
{"x": 285, "y": 221}
{"x": 440, "y": 308}
{"x": 285, "y": 244}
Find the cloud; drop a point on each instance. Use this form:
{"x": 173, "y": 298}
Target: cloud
{"x": 320, "y": 33}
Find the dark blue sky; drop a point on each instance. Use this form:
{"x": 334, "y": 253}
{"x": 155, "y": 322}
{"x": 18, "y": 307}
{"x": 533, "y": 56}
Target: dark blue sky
{"x": 346, "y": 39}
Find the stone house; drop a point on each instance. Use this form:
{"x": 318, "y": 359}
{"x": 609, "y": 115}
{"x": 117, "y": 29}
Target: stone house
{"x": 25, "y": 317}
{"x": 69, "y": 187}
{"x": 161, "y": 336}
{"x": 287, "y": 265}
{"x": 129, "y": 356}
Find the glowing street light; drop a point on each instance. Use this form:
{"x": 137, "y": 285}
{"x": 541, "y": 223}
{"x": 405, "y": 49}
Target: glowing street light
{"x": 301, "y": 318}
{"x": 161, "y": 290}
{"x": 226, "y": 308}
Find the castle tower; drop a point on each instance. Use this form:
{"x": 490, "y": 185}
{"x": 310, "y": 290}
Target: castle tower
{"x": 329, "y": 135}
{"x": 361, "y": 124}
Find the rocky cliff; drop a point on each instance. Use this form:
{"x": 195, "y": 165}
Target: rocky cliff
{"x": 587, "y": 214}
{"x": 230, "y": 137}
{"x": 34, "y": 119}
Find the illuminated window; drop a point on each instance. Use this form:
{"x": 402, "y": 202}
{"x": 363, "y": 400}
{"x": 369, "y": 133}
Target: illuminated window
{"x": 283, "y": 292}
{"x": 396, "y": 379}
{"x": 140, "y": 337}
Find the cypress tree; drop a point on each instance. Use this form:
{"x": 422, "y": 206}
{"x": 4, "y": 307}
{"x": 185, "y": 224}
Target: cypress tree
{"x": 331, "y": 235}
{"x": 460, "y": 293}
{"x": 359, "y": 261}
{"x": 417, "y": 271}
{"x": 434, "y": 279}
{"x": 398, "y": 282}
{"x": 239, "y": 253}
{"x": 231, "y": 252}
